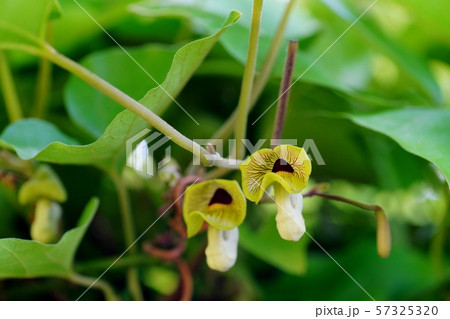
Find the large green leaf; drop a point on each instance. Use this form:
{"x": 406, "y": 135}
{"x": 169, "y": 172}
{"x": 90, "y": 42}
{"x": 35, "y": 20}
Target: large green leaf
{"x": 29, "y": 259}
{"x": 109, "y": 148}
{"x": 24, "y": 21}
{"x": 423, "y": 132}
{"x": 266, "y": 244}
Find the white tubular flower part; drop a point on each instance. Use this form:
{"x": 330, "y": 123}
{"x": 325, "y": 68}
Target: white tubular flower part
{"x": 290, "y": 222}
{"x": 47, "y": 222}
{"x": 221, "y": 252}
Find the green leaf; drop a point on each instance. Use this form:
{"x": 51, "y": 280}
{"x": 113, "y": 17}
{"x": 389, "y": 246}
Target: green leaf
{"x": 93, "y": 110}
{"x": 423, "y": 132}
{"x": 30, "y": 259}
{"x": 430, "y": 20}
{"x": 162, "y": 280}
{"x": 266, "y": 244}
{"x": 29, "y": 137}
{"x": 107, "y": 151}
{"x": 24, "y": 21}
{"x": 206, "y": 15}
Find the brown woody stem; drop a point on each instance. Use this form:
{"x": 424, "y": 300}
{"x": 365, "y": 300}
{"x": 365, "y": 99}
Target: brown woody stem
{"x": 284, "y": 92}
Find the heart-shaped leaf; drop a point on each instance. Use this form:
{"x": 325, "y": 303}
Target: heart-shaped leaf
{"x": 422, "y": 131}
{"x": 107, "y": 151}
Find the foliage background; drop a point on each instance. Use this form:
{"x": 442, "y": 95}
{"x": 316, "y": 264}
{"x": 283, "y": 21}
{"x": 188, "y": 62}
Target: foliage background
{"x": 395, "y": 60}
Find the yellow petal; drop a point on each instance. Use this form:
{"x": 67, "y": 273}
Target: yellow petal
{"x": 219, "y": 202}
{"x": 286, "y": 165}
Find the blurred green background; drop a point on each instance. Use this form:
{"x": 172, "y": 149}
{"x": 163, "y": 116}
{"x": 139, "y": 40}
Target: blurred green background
{"x": 397, "y": 57}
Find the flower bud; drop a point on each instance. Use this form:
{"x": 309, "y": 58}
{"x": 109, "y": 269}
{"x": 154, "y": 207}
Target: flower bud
{"x": 383, "y": 234}
{"x": 170, "y": 173}
{"x": 46, "y": 227}
{"x": 43, "y": 184}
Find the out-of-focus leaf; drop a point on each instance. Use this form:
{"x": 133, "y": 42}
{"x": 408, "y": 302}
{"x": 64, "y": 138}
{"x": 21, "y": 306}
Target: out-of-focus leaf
{"x": 30, "y": 259}
{"x": 266, "y": 244}
{"x": 162, "y": 280}
{"x": 107, "y": 151}
{"x": 415, "y": 22}
{"x": 107, "y": 13}
{"x": 402, "y": 276}
{"x": 93, "y": 110}
{"x": 207, "y": 14}
{"x": 23, "y": 21}
{"x": 28, "y": 137}
{"x": 423, "y": 132}
{"x": 411, "y": 64}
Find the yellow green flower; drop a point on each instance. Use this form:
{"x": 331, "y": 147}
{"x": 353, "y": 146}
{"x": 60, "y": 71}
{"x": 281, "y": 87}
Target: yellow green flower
{"x": 43, "y": 184}
{"x": 44, "y": 190}
{"x": 222, "y": 205}
{"x": 286, "y": 168}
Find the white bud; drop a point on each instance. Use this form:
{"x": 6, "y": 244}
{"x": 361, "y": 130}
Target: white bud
{"x": 46, "y": 227}
{"x": 170, "y": 173}
{"x": 221, "y": 252}
{"x": 290, "y": 222}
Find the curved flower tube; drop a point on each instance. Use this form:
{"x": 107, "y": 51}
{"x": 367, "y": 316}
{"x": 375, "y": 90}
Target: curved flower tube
{"x": 287, "y": 168}
{"x": 43, "y": 184}
{"x": 222, "y": 205}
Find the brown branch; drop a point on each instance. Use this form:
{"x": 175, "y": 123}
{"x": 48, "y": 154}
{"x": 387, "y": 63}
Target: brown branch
{"x": 383, "y": 229}
{"x": 186, "y": 283}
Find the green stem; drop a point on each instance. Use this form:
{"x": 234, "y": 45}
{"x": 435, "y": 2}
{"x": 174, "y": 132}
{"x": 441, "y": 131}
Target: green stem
{"x": 383, "y": 230}
{"x": 247, "y": 81}
{"x": 12, "y": 103}
{"x": 105, "y": 287}
{"x": 129, "y": 234}
{"x": 271, "y": 57}
{"x": 226, "y": 130}
{"x": 120, "y": 97}
{"x": 43, "y": 82}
